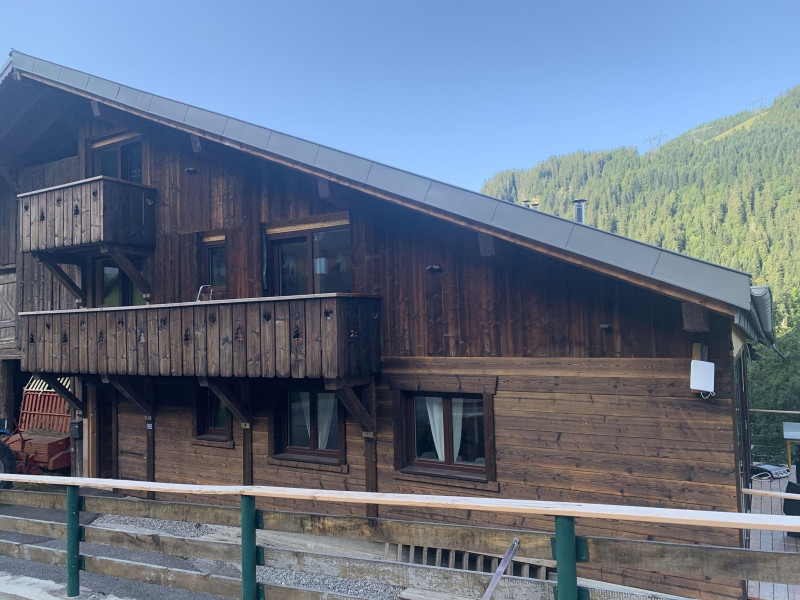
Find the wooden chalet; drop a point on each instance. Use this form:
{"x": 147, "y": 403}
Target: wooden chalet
{"x": 238, "y": 305}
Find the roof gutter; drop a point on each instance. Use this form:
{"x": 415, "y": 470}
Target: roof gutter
{"x": 757, "y": 322}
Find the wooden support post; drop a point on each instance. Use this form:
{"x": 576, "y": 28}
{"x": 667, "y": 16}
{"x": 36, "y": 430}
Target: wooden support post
{"x": 151, "y": 438}
{"x": 150, "y": 456}
{"x": 370, "y": 450}
{"x": 7, "y": 371}
{"x": 73, "y": 540}
{"x": 249, "y": 585}
{"x": 247, "y": 437}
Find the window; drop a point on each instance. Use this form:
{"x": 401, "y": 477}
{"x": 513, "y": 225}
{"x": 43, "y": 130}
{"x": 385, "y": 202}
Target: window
{"x": 217, "y": 266}
{"x": 119, "y": 156}
{"x": 213, "y": 418}
{"x": 446, "y": 432}
{"x": 214, "y": 265}
{"x": 114, "y": 287}
{"x": 311, "y": 426}
{"x": 311, "y": 262}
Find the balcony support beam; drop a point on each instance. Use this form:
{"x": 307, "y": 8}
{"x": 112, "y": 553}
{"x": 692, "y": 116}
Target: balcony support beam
{"x": 62, "y": 277}
{"x": 52, "y": 381}
{"x": 353, "y": 405}
{"x": 233, "y": 402}
{"x": 124, "y": 263}
{"x": 140, "y": 400}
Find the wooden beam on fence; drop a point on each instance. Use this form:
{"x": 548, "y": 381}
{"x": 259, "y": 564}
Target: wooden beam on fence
{"x": 518, "y": 507}
{"x": 684, "y": 559}
{"x": 60, "y": 389}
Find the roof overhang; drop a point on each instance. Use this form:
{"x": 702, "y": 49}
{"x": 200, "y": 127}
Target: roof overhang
{"x": 719, "y": 288}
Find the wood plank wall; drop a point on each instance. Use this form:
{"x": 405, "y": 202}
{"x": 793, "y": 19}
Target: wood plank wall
{"x": 615, "y": 431}
{"x": 624, "y": 431}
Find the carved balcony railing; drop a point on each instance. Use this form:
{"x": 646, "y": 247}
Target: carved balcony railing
{"x": 76, "y": 216}
{"x": 331, "y": 336}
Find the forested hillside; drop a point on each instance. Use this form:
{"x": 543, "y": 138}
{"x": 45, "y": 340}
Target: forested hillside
{"x": 727, "y": 191}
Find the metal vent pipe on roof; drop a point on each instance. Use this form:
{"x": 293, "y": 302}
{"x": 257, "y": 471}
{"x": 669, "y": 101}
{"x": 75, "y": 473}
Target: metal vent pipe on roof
{"x": 579, "y": 209}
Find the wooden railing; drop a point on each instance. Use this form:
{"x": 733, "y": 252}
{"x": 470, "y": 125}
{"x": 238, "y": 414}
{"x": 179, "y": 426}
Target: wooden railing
{"x": 92, "y": 211}
{"x": 329, "y": 336}
{"x": 690, "y": 560}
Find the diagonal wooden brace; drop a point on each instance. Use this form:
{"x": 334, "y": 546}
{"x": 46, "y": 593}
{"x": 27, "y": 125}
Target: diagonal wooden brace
{"x": 55, "y": 385}
{"x": 231, "y": 401}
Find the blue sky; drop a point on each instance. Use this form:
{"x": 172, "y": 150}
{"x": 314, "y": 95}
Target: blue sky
{"x": 454, "y": 90}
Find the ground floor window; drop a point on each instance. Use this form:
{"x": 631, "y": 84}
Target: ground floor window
{"x": 312, "y": 424}
{"x": 213, "y": 418}
{"x": 446, "y": 432}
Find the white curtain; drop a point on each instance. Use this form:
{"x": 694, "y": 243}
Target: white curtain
{"x": 458, "y": 422}
{"x": 436, "y": 420}
{"x": 305, "y": 402}
{"x": 325, "y": 405}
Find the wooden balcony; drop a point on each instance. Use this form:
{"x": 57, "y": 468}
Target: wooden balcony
{"x": 332, "y": 336}
{"x": 75, "y": 216}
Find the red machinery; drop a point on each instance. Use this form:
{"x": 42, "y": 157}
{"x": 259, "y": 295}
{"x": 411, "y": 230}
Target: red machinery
{"x": 41, "y": 439}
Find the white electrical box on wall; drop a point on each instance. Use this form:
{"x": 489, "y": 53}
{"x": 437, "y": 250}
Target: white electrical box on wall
{"x": 702, "y": 376}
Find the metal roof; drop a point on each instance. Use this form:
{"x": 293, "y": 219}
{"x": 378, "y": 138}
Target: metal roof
{"x": 651, "y": 262}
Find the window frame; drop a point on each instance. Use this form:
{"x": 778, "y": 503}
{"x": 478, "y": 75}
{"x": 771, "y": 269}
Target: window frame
{"x": 209, "y": 242}
{"x": 449, "y": 463}
{"x": 127, "y": 287}
{"x": 284, "y": 451}
{"x": 271, "y": 283}
{"x": 406, "y": 387}
{"x": 116, "y": 140}
{"x": 202, "y": 410}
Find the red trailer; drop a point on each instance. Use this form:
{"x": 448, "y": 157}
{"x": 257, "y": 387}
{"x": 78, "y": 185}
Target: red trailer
{"x": 40, "y": 442}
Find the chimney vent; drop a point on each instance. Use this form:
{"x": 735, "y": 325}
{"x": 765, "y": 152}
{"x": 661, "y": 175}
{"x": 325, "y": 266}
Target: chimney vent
{"x": 579, "y": 209}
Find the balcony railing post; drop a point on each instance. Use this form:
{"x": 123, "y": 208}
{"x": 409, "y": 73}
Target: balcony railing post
{"x": 566, "y": 559}
{"x": 73, "y": 540}
{"x": 249, "y": 585}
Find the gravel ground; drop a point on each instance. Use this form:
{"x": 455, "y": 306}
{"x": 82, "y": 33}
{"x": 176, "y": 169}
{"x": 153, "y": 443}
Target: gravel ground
{"x": 295, "y": 579}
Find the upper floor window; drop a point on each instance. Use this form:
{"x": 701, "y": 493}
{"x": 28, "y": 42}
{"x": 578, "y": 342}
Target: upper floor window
{"x": 310, "y": 262}
{"x": 114, "y": 287}
{"x": 118, "y": 156}
{"x": 213, "y": 262}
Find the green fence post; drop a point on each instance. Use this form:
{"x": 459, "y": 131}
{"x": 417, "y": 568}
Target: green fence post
{"x": 73, "y": 540}
{"x": 566, "y": 559}
{"x": 249, "y": 586}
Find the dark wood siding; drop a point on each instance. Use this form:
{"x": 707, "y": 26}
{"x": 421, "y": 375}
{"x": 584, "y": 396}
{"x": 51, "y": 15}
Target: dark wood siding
{"x": 330, "y": 337}
{"x": 592, "y": 401}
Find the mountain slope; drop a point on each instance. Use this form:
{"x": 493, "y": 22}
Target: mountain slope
{"x": 727, "y": 191}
